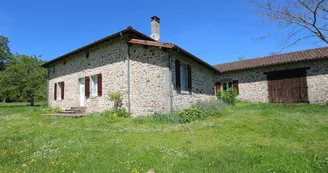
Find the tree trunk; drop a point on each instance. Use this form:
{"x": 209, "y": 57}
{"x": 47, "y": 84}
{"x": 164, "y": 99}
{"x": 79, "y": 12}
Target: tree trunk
{"x": 32, "y": 101}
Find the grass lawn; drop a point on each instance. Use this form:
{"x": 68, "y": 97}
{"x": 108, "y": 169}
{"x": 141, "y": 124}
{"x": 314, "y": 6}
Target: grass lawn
{"x": 244, "y": 138}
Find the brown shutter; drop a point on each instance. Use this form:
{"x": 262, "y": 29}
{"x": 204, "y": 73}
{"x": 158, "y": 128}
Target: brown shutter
{"x": 177, "y": 75}
{"x": 189, "y": 78}
{"x": 235, "y": 85}
{"x": 87, "y": 86}
{"x": 218, "y": 86}
{"x": 55, "y": 92}
{"x": 62, "y": 91}
{"x": 99, "y": 84}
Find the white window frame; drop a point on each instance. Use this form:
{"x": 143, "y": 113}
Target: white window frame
{"x": 59, "y": 90}
{"x": 226, "y": 84}
{"x": 94, "y": 85}
{"x": 184, "y": 77}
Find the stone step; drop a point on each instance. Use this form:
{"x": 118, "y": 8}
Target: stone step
{"x": 63, "y": 115}
{"x": 78, "y": 109}
{"x": 69, "y": 112}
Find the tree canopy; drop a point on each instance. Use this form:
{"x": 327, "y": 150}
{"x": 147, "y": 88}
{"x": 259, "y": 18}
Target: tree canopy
{"x": 23, "y": 78}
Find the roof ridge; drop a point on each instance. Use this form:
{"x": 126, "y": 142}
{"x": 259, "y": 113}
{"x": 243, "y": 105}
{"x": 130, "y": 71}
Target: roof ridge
{"x": 301, "y": 55}
{"x": 268, "y": 56}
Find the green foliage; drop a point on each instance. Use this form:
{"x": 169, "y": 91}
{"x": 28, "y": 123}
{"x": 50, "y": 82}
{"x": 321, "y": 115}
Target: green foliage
{"x": 199, "y": 111}
{"x": 293, "y": 139}
{"x": 4, "y": 51}
{"x": 114, "y": 114}
{"x": 23, "y": 79}
{"x": 115, "y": 97}
{"x": 229, "y": 96}
{"x": 191, "y": 114}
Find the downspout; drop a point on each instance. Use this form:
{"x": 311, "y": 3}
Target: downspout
{"x": 128, "y": 68}
{"x": 128, "y": 71}
{"x": 171, "y": 88}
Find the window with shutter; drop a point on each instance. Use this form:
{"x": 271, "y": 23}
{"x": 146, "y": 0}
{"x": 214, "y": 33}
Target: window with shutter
{"x": 62, "y": 90}
{"x": 177, "y": 75}
{"x": 87, "y": 87}
{"x": 189, "y": 79}
{"x": 94, "y": 85}
{"x": 100, "y": 84}
{"x": 235, "y": 85}
{"x": 218, "y": 86}
{"x": 55, "y": 91}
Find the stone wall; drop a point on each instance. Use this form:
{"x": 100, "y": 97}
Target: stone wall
{"x": 150, "y": 89}
{"x": 203, "y": 83}
{"x": 108, "y": 58}
{"x": 253, "y": 85}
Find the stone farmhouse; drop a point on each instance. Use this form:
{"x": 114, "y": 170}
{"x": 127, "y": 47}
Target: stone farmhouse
{"x": 160, "y": 77}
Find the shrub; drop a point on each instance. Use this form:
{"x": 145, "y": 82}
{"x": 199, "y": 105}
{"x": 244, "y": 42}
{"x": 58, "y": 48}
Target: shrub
{"x": 191, "y": 114}
{"x": 122, "y": 113}
{"x": 229, "y": 96}
{"x": 115, "y": 97}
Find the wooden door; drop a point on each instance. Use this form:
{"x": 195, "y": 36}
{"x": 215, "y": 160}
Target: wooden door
{"x": 288, "y": 86}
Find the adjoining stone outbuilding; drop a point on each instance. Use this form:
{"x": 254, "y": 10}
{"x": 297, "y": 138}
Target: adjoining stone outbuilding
{"x": 160, "y": 77}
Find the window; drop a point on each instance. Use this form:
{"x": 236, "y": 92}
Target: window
{"x": 94, "y": 85}
{"x": 184, "y": 77}
{"x": 60, "y": 91}
{"x": 226, "y": 85}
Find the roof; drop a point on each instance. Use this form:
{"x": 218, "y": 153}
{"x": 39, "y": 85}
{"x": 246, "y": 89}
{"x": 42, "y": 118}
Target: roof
{"x": 305, "y": 55}
{"x": 147, "y": 41}
{"x": 127, "y": 30}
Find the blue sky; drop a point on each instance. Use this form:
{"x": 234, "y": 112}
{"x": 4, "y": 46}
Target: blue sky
{"x": 214, "y": 31}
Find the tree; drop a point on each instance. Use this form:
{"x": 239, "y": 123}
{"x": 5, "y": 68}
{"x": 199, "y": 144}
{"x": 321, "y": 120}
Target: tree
{"x": 4, "y": 51}
{"x": 23, "y": 79}
{"x": 303, "y": 19}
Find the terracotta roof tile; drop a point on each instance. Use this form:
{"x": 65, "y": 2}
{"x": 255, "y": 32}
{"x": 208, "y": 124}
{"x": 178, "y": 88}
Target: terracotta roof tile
{"x": 310, "y": 54}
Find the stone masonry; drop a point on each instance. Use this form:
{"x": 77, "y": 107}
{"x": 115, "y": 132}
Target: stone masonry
{"x": 149, "y": 78}
{"x": 253, "y": 85}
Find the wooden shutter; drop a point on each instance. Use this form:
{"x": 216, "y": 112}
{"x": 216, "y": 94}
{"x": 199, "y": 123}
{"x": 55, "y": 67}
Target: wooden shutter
{"x": 177, "y": 75}
{"x": 87, "y": 87}
{"x": 99, "y": 84}
{"x": 218, "y": 86}
{"x": 62, "y": 90}
{"x": 55, "y": 92}
{"x": 189, "y": 78}
{"x": 235, "y": 85}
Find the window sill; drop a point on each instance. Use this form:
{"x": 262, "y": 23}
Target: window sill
{"x": 184, "y": 92}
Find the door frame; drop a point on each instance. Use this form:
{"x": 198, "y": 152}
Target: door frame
{"x": 82, "y": 92}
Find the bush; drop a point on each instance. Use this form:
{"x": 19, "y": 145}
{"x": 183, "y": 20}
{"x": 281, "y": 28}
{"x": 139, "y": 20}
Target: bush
{"x": 229, "y": 96}
{"x": 191, "y": 114}
{"x": 122, "y": 113}
{"x": 113, "y": 114}
{"x": 116, "y": 97}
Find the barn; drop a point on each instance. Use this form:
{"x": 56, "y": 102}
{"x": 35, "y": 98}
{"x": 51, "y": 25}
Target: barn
{"x": 296, "y": 77}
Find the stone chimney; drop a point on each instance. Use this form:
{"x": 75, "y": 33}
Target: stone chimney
{"x": 155, "y": 32}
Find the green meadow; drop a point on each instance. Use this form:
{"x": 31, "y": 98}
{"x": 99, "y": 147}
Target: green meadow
{"x": 246, "y": 137}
